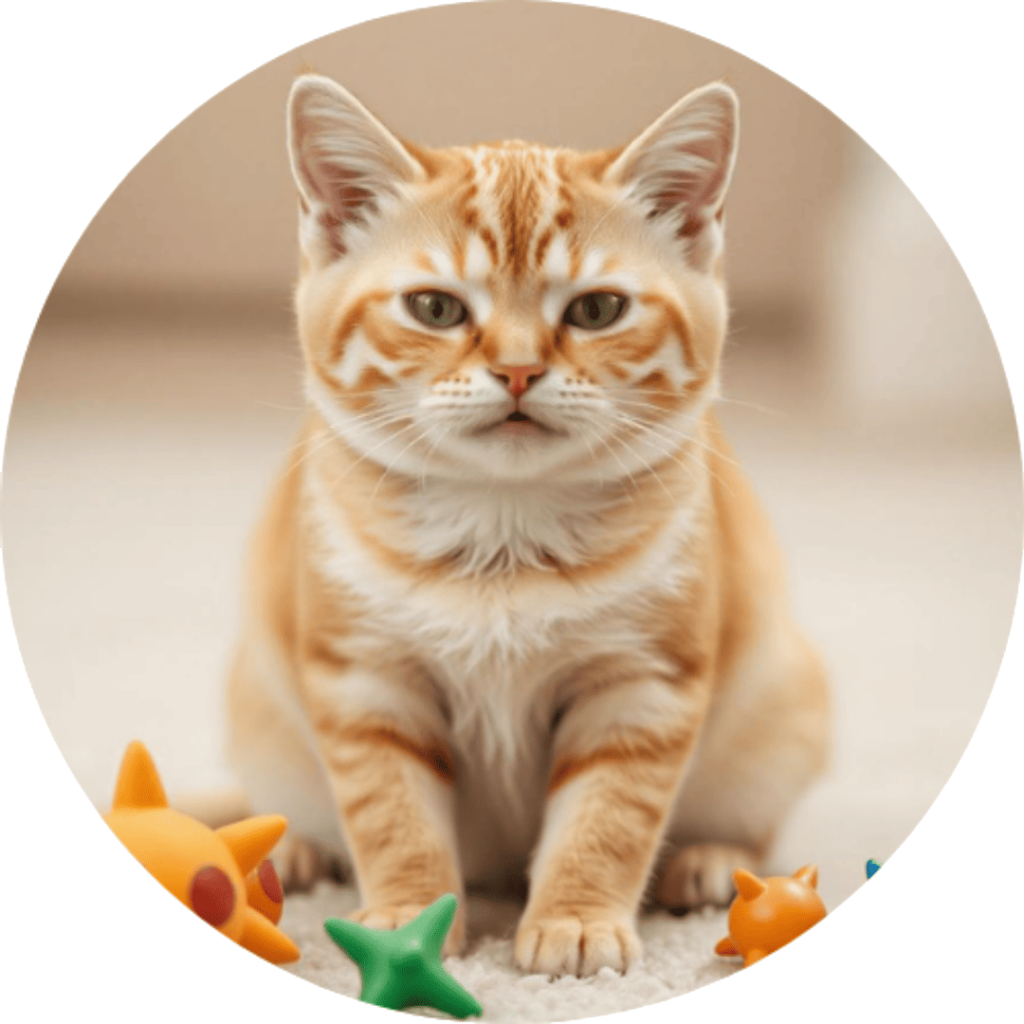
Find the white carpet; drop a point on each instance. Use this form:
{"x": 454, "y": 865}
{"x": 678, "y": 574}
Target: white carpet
{"x": 679, "y": 957}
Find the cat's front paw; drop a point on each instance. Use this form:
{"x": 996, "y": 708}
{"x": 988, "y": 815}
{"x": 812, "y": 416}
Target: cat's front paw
{"x": 575, "y": 945}
{"x": 388, "y": 918}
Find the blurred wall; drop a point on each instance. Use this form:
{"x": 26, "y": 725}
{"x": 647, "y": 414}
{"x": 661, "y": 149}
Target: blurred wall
{"x": 906, "y": 340}
{"x": 212, "y": 207}
{"x": 832, "y": 263}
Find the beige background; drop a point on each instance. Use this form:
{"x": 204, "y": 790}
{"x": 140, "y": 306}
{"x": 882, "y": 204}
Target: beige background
{"x": 225, "y": 179}
{"x": 827, "y": 249}
{"x": 864, "y": 394}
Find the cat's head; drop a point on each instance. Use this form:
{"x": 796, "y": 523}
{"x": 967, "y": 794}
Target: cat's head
{"x": 510, "y": 311}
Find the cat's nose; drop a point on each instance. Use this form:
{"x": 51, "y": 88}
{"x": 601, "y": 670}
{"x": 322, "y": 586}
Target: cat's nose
{"x": 518, "y": 378}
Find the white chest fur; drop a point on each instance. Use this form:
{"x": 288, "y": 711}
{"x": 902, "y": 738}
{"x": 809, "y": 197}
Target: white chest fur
{"x": 498, "y": 642}
{"x": 485, "y": 609}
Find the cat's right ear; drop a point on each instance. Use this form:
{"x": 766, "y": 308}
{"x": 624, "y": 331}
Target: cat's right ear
{"x": 346, "y": 164}
{"x": 679, "y": 169}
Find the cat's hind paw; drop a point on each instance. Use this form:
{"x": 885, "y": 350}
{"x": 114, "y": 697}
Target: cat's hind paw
{"x": 300, "y": 864}
{"x": 572, "y": 945}
{"x": 701, "y": 875}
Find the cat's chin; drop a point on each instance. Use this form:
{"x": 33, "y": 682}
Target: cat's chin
{"x": 516, "y": 451}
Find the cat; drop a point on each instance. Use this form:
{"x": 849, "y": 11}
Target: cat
{"x": 513, "y": 608}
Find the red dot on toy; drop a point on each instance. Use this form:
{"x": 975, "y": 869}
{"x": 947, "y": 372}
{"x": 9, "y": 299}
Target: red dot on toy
{"x": 212, "y": 896}
{"x": 212, "y": 872}
{"x": 269, "y": 882}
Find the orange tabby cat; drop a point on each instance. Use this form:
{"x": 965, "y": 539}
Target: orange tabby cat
{"x": 513, "y": 605}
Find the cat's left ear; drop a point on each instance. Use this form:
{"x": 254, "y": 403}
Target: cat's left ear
{"x": 346, "y": 164}
{"x": 680, "y": 167}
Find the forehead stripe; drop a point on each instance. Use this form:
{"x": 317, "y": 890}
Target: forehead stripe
{"x": 520, "y": 192}
{"x": 514, "y": 203}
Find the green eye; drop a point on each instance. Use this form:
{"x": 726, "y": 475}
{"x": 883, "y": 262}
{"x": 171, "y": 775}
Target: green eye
{"x": 436, "y": 309}
{"x": 595, "y": 310}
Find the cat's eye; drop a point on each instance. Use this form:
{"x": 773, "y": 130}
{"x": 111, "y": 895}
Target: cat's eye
{"x": 436, "y": 309}
{"x": 595, "y": 310}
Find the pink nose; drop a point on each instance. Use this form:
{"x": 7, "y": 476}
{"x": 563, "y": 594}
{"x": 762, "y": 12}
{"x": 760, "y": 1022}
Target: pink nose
{"x": 518, "y": 378}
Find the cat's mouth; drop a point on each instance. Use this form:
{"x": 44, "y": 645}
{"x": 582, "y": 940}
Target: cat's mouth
{"x": 518, "y": 423}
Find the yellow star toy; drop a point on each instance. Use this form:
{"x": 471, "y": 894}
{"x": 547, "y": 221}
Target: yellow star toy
{"x": 204, "y": 868}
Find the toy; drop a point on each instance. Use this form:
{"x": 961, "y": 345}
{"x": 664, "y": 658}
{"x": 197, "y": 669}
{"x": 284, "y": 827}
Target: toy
{"x": 205, "y": 869}
{"x": 872, "y": 867}
{"x": 403, "y": 967}
{"x": 263, "y": 891}
{"x": 769, "y": 912}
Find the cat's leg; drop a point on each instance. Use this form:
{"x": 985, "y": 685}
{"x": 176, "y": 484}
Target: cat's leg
{"x": 391, "y": 777}
{"x": 764, "y": 741}
{"x": 271, "y": 749}
{"x": 619, "y": 756}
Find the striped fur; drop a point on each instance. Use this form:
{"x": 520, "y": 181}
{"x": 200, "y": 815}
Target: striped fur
{"x": 513, "y": 607}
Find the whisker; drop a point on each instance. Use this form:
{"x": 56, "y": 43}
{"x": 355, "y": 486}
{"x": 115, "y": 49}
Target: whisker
{"x": 670, "y": 455}
{"x": 592, "y": 431}
{"x": 354, "y": 417}
{"x": 625, "y": 468}
{"x": 777, "y": 413}
{"x": 650, "y": 469}
{"x": 619, "y": 437}
{"x": 377, "y": 447}
{"x": 432, "y": 225}
{"x": 373, "y": 391}
{"x": 327, "y": 438}
{"x": 687, "y": 440}
{"x": 600, "y": 221}
{"x": 391, "y": 464}
{"x": 430, "y": 451}
{"x": 639, "y": 393}
{"x": 322, "y": 442}
{"x": 590, "y": 447}
{"x": 669, "y": 428}
{"x": 381, "y": 417}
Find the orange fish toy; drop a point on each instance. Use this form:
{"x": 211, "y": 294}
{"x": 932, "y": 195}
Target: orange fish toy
{"x": 769, "y": 912}
{"x": 223, "y": 875}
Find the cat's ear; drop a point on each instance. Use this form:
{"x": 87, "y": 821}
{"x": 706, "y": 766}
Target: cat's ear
{"x": 680, "y": 167}
{"x": 345, "y": 162}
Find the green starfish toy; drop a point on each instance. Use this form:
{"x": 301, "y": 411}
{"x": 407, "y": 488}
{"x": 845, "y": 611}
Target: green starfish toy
{"x": 403, "y": 967}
